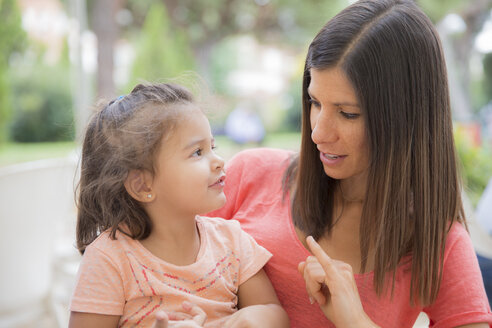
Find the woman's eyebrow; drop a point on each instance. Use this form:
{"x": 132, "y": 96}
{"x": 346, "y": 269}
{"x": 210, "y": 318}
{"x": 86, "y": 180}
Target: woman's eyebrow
{"x": 346, "y": 104}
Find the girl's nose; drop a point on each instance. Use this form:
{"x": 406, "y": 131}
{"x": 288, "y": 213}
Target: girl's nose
{"x": 218, "y": 162}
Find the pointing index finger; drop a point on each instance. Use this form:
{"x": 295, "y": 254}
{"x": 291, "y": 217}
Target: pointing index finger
{"x": 319, "y": 253}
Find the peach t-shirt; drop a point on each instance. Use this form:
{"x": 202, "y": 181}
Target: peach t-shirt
{"x": 121, "y": 277}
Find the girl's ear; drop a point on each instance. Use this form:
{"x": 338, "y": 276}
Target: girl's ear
{"x": 137, "y": 185}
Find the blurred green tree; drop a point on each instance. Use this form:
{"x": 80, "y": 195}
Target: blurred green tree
{"x": 487, "y": 72}
{"x": 12, "y": 39}
{"x": 474, "y": 15}
{"x": 162, "y": 52}
{"x": 206, "y": 23}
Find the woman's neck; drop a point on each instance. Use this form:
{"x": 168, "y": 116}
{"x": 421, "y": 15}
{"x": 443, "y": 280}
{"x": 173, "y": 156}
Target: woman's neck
{"x": 353, "y": 190}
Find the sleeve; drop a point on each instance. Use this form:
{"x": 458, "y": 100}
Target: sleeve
{"x": 234, "y": 180}
{"x": 461, "y": 299}
{"x": 253, "y": 257}
{"x": 99, "y": 285}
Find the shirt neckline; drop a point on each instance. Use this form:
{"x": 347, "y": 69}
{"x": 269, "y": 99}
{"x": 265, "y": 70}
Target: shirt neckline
{"x": 203, "y": 237}
{"x": 299, "y": 244}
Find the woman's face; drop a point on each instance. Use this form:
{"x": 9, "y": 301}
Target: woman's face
{"x": 337, "y": 125}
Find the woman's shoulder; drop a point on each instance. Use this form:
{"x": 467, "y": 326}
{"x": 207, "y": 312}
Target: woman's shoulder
{"x": 458, "y": 242}
{"x": 261, "y": 157}
{"x": 456, "y": 233}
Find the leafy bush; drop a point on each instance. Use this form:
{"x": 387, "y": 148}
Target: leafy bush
{"x": 42, "y": 105}
{"x": 476, "y": 164}
{"x": 12, "y": 40}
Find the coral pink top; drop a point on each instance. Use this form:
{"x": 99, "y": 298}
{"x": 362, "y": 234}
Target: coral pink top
{"x": 121, "y": 277}
{"x": 254, "y": 198}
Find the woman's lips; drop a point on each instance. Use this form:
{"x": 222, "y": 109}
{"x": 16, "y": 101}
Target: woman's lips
{"x": 331, "y": 159}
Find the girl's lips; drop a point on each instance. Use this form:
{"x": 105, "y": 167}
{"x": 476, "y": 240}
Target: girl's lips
{"x": 330, "y": 159}
{"x": 219, "y": 183}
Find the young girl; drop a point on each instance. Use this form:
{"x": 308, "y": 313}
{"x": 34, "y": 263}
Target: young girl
{"x": 148, "y": 168}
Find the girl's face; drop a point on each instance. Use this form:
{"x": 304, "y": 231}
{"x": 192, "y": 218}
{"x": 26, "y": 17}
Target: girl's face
{"x": 189, "y": 178}
{"x": 337, "y": 125}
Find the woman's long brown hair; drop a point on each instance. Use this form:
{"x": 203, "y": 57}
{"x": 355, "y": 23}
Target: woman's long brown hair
{"x": 121, "y": 136}
{"x": 391, "y": 54}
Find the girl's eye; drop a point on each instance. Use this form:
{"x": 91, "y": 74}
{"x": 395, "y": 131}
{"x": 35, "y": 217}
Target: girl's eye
{"x": 314, "y": 103}
{"x": 197, "y": 153}
{"x": 350, "y": 116}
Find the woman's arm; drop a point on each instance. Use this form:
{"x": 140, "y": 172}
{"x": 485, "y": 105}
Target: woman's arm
{"x": 258, "y": 305}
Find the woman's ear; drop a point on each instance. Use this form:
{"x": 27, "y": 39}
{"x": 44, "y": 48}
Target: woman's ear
{"x": 138, "y": 185}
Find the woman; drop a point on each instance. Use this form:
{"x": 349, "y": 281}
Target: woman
{"x": 375, "y": 183}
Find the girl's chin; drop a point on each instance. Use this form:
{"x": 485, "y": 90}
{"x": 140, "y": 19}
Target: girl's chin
{"x": 218, "y": 204}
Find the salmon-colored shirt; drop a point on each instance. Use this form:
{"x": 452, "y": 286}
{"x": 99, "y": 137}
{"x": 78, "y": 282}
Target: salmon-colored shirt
{"x": 121, "y": 277}
{"x": 255, "y": 198}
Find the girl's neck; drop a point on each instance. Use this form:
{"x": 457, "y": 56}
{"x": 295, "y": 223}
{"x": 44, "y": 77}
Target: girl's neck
{"x": 174, "y": 240}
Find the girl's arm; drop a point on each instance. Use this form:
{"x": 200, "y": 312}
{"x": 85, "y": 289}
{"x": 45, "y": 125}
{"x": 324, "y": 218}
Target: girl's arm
{"x": 191, "y": 317}
{"x": 83, "y": 319}
{"x": 258, "y": 305}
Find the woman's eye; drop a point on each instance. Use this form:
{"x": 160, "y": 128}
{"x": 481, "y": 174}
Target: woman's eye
{"x": 349, "y": 116}
{"x": 314, "y": 103}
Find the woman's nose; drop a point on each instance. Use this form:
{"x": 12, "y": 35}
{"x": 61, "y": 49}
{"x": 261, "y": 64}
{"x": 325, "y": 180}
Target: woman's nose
{"x": 323, "y": 129}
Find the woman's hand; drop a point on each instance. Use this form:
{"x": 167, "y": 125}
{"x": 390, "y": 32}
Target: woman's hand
{"x": 192, "y": 317}
{"x": 332, "y": 284}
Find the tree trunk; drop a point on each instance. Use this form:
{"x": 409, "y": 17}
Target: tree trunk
{"x": 106, "y": 29}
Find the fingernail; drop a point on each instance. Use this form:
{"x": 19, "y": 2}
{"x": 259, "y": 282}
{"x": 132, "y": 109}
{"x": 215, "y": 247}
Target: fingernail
{"x": 311, "y": 300}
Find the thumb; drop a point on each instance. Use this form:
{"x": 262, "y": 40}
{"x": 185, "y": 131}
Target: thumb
{"x": 161, "y": 320}
{"x": 300, "y": 267}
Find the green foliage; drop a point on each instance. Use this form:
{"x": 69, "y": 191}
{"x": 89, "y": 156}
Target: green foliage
{"x": 476, "y": 166}
{"x": 294, "y": 111}
{"x": 224, "y": 60}
{"x": 162, "y": 51}
{"x": 42, "y": 105}
{"x": 12, "y": 39}
{"x": 437, "y": 9}
{"x": 487, "y": 73}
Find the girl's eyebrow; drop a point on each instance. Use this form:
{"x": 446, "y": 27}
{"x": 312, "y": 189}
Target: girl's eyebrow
{"x": 196, "y": 142}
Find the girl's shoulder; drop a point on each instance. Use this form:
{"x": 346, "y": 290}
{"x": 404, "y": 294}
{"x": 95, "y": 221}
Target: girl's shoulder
{"x": 107, "y": 244}
{"x": 221, "y": 231}
{"x": 219, "y": 225}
